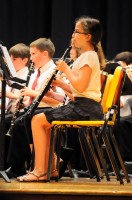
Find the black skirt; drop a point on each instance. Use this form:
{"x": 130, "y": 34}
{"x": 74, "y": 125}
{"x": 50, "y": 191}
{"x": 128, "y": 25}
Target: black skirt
{"x": 79, "y": 109}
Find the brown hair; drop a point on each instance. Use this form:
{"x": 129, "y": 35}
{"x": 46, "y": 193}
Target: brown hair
{"x": 44, "y": 44}
{"x": 93, "y": 26}
{"x": 20, "y": 50}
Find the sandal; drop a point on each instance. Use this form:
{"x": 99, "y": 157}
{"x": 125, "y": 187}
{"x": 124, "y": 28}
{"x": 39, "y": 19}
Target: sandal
{"x": 54, "y": 175}
{"x": 37, "y": 177}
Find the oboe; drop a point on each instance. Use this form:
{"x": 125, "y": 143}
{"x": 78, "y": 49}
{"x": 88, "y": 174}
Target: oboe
{"x": 19, "y": 104}
{"x": 30, "y": 109}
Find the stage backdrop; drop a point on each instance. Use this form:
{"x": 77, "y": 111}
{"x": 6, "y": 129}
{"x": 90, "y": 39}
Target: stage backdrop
{"x": 28, "y": 20}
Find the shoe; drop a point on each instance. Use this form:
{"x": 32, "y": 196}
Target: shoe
{"x": 13, "y": 172}
{"x": 61, "y": 163}
{"x": 54, "y": 175}
{"x": 77, "y": 173}
{"x": 128, "y": 166}
{"x": 72, "y": 174}
{"x": 123, "y": 175}
{"x": 36, "y": 177}
{"x": 66, "y": 154}
{"x": 111, "y": 173}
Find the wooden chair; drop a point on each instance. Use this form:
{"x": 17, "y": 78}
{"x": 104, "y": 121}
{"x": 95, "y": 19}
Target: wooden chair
{"x": 111, "y": 97}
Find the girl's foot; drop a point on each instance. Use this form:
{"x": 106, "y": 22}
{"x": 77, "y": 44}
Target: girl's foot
{"x": 33, "y": 177}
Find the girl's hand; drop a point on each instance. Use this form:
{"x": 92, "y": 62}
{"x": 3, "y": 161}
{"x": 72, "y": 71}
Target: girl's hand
{"x": 50, "y": 93}
{"x": 58, "y": 82}
{"x": 61, "y": 66}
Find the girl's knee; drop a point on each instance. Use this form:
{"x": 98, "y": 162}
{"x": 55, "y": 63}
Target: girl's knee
{"x": 38, "y": 118}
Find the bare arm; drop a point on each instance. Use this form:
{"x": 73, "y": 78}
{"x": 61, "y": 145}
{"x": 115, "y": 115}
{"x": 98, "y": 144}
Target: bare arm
{"x": 32, "y": 93}
{"x": 82, "y": 76}
{"x": 59, "y": 97}
{"x": 11, "y": 95}
{"x": 69, "y": 95}
{"x": 62, "y": 84}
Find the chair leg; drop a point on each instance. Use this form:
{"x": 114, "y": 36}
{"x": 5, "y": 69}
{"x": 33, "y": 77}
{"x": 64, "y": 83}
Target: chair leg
{"x": 58, "y": 144}
{"x": 65, "y": 144}
{"x": 67, "y": 159}
{"x": 88, "y": 154}
{"x": 50, "y": 153}
{"x": 99, "y": 151}
{"x": 93, "y": 153}
{"x": 32, "y": 159}
{"x": 111, "y": 155}
{"x": 118, "y": 154}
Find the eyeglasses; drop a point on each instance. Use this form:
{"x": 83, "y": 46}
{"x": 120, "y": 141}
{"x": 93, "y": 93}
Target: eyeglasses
{"x": 79, "y": 32}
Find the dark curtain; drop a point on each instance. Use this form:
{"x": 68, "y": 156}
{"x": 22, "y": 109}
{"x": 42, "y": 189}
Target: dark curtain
{"x": 27, "y": 20}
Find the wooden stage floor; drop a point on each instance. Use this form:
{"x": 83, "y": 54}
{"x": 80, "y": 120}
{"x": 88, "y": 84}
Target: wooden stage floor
{"x": 67, "y": 189}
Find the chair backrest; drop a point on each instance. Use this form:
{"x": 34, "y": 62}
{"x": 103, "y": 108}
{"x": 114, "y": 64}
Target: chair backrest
{"x": 103, "y": 77}
{"x": 106, "y": 91}
{"x": 116, "y": 87}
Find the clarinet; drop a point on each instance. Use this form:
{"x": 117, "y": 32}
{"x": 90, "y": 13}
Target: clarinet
{"x": 20, "y": 102}
{"x": 31, "y": 109}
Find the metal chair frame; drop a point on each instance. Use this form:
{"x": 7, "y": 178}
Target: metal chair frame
{"x": 110, "y": 102}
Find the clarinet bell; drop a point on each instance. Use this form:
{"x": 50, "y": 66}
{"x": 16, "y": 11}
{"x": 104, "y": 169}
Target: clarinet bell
{"x": 8, "y": 133}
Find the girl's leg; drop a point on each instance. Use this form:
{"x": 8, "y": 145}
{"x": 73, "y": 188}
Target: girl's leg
{"x": 41, "y": 136}
{"x": 42, "y": 145}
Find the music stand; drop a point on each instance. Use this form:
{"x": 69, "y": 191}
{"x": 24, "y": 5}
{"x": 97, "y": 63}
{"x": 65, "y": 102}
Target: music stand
{"x": 2, "y": 134}
{"x": 9, "y": 70}
{"x": 9, "y": 77}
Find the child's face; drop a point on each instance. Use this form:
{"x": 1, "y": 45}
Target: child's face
{"x": 79, "y": 37}
{"x": 39, "y": 58}
{"x": 18, "y": 62}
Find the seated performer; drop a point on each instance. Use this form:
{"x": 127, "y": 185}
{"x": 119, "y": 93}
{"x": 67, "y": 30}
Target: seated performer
{"x": 1, "y": 77}
{"x": 121, "y": 129}
{"x": 123, "y": 59}
{"x": 84, "y": 78}
{"x": 124, "y": 135}
{"x": 42, "y": 51}
{"x": 16, "y": 169}
{"x": 20, "y": 55}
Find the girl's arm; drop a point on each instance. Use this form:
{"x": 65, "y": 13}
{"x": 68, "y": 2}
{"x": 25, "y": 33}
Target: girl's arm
{"x": 79, "y": 80}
